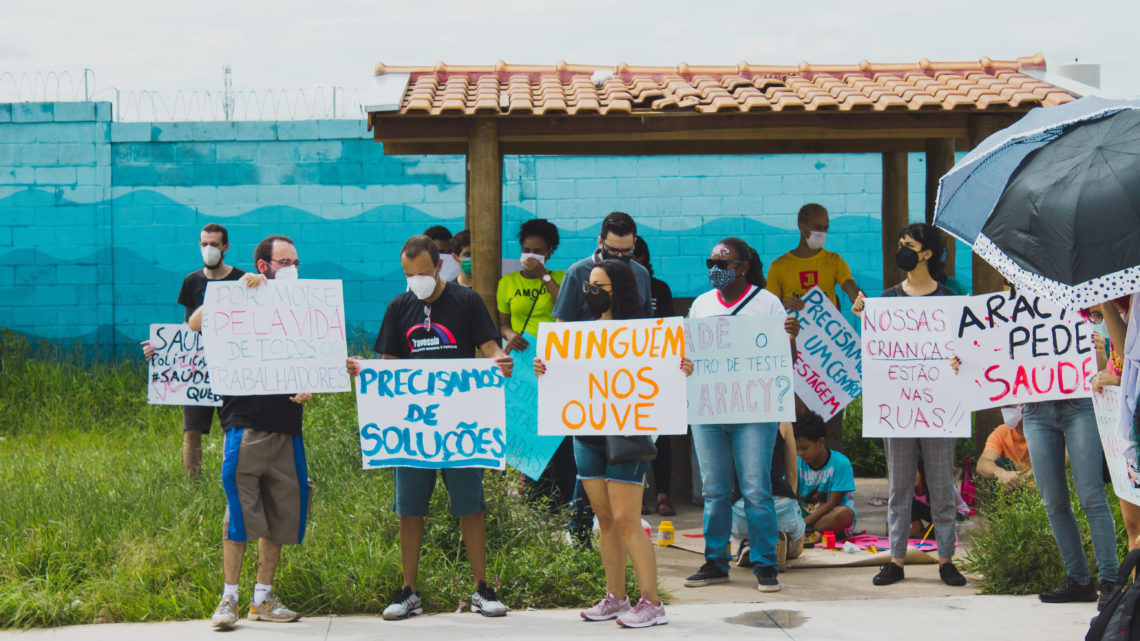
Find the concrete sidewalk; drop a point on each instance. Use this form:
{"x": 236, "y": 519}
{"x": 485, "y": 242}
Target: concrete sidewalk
{"x": 977, "y": 618}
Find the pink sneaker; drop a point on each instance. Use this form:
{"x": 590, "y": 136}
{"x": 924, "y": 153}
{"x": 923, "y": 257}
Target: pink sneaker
{"x": 643, "y": 615}
{"x": 609, "y": 608}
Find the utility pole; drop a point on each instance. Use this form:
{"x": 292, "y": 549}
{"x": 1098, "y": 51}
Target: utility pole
{"x": 228, "y": 94}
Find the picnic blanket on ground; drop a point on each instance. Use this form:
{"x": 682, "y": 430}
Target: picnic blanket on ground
{"x": 693, "y": 541}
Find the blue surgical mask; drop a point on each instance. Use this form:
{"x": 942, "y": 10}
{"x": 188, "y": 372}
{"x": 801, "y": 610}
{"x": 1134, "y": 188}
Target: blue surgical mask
{"x": 721, "y": 277}
{"x": 1099, "y": 328}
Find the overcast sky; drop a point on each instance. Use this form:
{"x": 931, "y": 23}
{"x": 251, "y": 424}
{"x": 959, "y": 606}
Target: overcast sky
{"x": 144, "y": 44}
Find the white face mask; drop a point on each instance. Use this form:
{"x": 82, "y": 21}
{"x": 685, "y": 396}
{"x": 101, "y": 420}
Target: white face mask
{"x": 539, "y": 257}
{"x": 421, "y": 286}
{"x": 211, "y": 256}
{"x": 816, "y": 239}
{"x": 1011, "y": 416}
{"x": 286, "y": 273}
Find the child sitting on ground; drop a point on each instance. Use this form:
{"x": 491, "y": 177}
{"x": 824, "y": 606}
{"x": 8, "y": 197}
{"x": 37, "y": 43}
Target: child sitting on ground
{"x": 826, "y": 481}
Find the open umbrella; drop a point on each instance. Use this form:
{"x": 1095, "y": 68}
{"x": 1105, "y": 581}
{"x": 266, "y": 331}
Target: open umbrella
{"x": 1053, "y": 201}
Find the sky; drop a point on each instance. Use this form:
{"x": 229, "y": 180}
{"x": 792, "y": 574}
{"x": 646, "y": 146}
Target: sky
{"x": 289, "y": 44}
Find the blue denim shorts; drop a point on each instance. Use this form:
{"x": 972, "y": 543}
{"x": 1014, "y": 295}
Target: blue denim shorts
{"x": 414, "y": 487}
{"x": 592, "y": 464}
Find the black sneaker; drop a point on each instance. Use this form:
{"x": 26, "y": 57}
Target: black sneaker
{"x": 1070, "y": 591}
{"x": 891, "y": 572}
{"x": 950, "y": 575}
{"x": 766, "y": 579}
{"x": 1107, "y": 591}
{"x": 708, "y": 574}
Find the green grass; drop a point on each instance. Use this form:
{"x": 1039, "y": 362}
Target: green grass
{"x": 98, "y": 524}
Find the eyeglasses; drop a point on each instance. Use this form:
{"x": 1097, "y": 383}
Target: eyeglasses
{"x": 614, "y": 251}
{"x": 590, "y": 288}
{"x": 722, "y": 263}
{"x": 286, "y": 262}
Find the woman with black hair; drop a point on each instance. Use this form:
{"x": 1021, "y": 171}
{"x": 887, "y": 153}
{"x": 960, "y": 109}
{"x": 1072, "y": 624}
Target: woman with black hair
{"x": 526, "y": 298}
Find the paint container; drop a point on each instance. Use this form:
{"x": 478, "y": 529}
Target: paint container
{"x": 665, "y": 533}
{"x": 829, "y": 540}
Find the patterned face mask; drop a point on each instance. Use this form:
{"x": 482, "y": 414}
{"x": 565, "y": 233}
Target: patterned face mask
{"x": 721, "y": 277}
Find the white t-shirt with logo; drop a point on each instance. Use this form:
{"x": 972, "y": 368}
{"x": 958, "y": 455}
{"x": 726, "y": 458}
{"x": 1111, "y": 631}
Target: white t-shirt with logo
{"x": 711, "y": 303}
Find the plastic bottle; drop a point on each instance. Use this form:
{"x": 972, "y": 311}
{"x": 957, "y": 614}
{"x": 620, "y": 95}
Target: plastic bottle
{"x": 829, "y": 540}
{"x": 665, "y": 533}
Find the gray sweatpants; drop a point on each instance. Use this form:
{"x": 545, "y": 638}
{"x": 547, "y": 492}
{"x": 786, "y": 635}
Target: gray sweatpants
{"x": 938, "y": 464}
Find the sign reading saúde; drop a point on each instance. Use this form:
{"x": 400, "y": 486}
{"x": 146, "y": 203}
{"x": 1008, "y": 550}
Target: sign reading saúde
{"x": 612, "y": 377}
{"x": 431, "y": 413}
{"x": 1016, "y": 349}
{"x": 742, "y": 369}
{"x": 527, "y": 451}
{"x": 909, "y": 389}
{"x": 177, "y": 374}
{"x": 828, "y": 368}
{"x": 284, "y": 337}
{"x": 1118, "y": 449}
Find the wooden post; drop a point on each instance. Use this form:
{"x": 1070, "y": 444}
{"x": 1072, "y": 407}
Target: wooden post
{"x": 939, "y": 160}
{"x": 895, "y": 213}
{"x": 485, "y": 209}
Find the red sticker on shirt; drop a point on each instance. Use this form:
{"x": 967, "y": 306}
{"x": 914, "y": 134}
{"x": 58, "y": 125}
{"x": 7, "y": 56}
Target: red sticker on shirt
{"x": 808, "y": 280}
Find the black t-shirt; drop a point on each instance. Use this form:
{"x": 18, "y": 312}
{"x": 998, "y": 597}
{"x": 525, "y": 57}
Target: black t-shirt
{"x": 780, "y": 484}
{"x": 193, "y": 291}
{"x": 897, "y": 290}
{"x": 452, "y": 326}
{"x": 269, "y": 413}
{"x": 662, "y": 298}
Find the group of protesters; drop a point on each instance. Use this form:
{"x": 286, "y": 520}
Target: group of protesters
{"x": 783, "y": 473}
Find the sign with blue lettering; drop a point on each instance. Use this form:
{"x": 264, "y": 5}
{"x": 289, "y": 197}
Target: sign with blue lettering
{"x": 434, "y": 414}
{"x": 828, "y": 369}
{"x": 177, "y": 373}
{"x": 527, "y": 452}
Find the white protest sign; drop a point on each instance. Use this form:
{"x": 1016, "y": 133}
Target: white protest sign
{"x": 828, "y": 368}
{"x": 1018, "y": 349}
{"x": 742, "y": 369}
{"x": 284, "y": 337}
{"x": 431, "y": 413}
{"x": 177, "y": 374}
{"x": 612, "y": 377}
{"x": 909, "y": 389}
{"x": 1119, "y": 452}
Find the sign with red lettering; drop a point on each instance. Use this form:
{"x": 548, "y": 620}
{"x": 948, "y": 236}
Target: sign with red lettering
{"x": 742, "y": 369}
{"x": 909, "y": 389}
{"x": 828, "y": 370}
{"x": 284, "y": 337}
{"x": 620, "y": 377}
{"x": 177, "y": 372}
{"x": 1018, "y": 349}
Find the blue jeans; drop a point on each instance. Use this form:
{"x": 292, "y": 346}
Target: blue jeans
{"x": 747, "y": 449}
{"x": 1051, "y": 427}
{"x": 789, "y": 518}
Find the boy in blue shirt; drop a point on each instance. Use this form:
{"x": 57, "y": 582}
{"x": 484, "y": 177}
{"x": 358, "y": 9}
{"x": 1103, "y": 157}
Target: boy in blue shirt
{"x": 826, "y": 481}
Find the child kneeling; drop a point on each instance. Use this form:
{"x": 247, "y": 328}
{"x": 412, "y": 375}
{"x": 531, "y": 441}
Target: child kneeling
{"x": 826, "y": 480}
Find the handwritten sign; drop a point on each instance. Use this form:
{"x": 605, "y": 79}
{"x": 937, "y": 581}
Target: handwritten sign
{"x": 1016, "y": 349}
{"x": 432, "y": 413}
{"x": 527, "y": 452}
{"x": 612, "y": 377}
{"x": 177, "y": 374}
{"x": 283, "y": 337}
{"x": 909, "y": 389}
{"x": 828, "y": 368}
{"x": 1119, "y": 451}
{"x": 742, "y": 369}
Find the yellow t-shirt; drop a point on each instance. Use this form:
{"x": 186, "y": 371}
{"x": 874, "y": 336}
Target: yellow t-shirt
{"x": 789, "y": 274}
{"x": 516, "y": 294}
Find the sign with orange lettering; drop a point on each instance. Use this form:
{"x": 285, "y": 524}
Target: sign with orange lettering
{"x": 742, "y": 370}
{"x": 612, "y": 377}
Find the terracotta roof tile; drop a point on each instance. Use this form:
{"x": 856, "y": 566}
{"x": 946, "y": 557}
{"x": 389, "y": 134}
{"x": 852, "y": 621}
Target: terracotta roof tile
{"x": 446, "y": 90}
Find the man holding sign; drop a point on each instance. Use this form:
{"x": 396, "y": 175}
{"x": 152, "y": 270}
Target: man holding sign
{"x": 437, "y": 319}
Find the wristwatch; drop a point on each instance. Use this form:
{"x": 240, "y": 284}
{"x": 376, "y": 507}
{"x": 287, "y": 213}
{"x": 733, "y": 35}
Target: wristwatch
{"x": 546, "y": 278}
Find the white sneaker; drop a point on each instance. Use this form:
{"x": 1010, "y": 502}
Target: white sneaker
{"x": 225, "y": 615}
{"x": 405, "y": 604}
{"x": 608, "y": 608}
{"x": 486, "y": 602}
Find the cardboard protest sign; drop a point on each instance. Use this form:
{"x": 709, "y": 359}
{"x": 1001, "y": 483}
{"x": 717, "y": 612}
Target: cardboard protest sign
{"x": 177, "y": 374}
{"x": 431, "y": 413}
{"x": 527, "y": 452}
{"x": 284, "y": 337}
{"x": 612, "y": 377}
{"x": 742, "y": 370}
{"x": 1119, "y": 452}
{"x": 909, "y": 389}
{"x": 1017, "y": 349}
{"x": 828, "y": 370}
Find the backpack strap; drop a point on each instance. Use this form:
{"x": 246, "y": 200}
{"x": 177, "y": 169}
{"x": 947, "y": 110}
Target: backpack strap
{"x": 741, "y": 306}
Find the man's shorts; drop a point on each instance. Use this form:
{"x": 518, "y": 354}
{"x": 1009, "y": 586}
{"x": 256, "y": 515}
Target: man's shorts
{"x": 414, "y": 487}
{"x": 197, "y": 418}
{"x": 268, "y": 491}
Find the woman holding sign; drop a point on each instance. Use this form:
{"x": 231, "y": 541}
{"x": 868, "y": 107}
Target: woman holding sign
{"x": 920, "y": 256}
{"x": 615, "y": 489}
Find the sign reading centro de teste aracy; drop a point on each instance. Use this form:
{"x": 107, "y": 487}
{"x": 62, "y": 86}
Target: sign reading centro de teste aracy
{"x": 177, "y": 374}
{"x": 283, "y": 337}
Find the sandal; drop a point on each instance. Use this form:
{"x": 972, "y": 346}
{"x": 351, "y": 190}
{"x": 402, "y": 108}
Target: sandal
{"x": 665, "y": 507}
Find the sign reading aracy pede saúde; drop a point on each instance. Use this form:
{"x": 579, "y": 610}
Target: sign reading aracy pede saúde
{"x": 612, "y": 377}
{"x": 177, "y": 373}
{"x": 431, "y": 413}
{"x": 909, "y": 389}
{"x": 284, "y": 337}
{"x": 742, "y": 369}
{"x": 828, "y": 368}
{"x": 1016, "y": 349}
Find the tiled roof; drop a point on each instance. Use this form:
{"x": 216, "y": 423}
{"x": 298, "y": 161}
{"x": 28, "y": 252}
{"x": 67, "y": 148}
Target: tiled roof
{"x": 513, "y": 90}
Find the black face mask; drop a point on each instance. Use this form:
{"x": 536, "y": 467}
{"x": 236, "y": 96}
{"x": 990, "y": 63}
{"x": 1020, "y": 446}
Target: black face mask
{"x": 598, "y": 302}
{"x": 906, "y": 259}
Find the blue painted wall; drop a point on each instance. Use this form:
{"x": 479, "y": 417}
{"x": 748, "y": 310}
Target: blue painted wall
{"x": 99, "y": 221}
